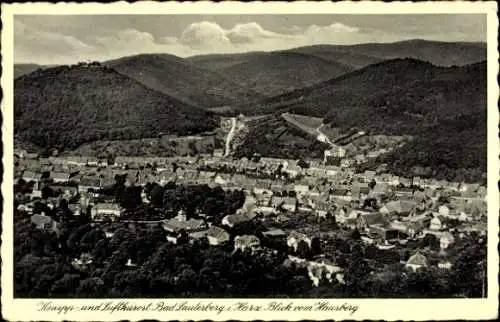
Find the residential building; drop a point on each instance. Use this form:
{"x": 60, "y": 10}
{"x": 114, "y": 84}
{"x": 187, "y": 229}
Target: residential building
{"x": 246, "y": 242}
{"x": 446, "y": 240}
{"x": 294, "y": 238}
{"x": 103, "y": 211}
{"x": 416, "y": 261}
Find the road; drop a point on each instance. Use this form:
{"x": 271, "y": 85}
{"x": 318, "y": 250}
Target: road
{"x": 230, "y": 136}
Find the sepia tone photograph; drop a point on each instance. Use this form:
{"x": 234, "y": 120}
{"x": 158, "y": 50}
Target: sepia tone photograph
{"x": 250, "y": 156}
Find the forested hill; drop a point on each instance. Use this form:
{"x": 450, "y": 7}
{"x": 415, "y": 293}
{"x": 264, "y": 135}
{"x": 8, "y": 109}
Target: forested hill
{"x": 444, "y": 108}
{"x": 177, "y": 77}
{"x": 69, "y": 105}
{"x": 281, "y": 71}
{"x": 404, "y": 90}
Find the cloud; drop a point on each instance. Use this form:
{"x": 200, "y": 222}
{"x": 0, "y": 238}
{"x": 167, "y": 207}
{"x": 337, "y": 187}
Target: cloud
{"x": 30, "y": 42}
{"x": 204, "y": 34}
{"x": 33, "y": 44}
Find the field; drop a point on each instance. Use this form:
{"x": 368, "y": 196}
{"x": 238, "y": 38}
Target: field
{"x": 307, "y": 124}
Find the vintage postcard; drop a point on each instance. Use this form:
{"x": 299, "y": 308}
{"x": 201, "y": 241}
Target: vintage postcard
{"x": 250, "y": 161}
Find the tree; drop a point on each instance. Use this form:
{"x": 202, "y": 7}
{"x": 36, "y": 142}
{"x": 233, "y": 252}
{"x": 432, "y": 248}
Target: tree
{"x": 303, "y": 250}
{"x": 303, "y": 164}
{"x": 316, "y": 246}
{"x": 187, "y": 280}
{"x": 66, "y": 286}
{"x": 372, "y": 184}
{"x": 47, "y": 192}
{"x": 92, "y": 287}
{"x": 355, "y": 235}
{"x": 357, "y": 274}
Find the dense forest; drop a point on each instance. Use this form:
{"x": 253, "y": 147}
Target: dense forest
{"x": 66, "y": 106}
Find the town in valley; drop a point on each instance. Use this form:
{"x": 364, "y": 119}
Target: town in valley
{"x": 350, "y": 170}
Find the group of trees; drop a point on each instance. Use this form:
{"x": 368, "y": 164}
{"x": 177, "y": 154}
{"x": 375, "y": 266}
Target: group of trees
{"x": 43, "y": 266}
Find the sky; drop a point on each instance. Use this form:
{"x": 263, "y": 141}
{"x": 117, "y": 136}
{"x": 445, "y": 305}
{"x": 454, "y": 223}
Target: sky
{"x": 67, "y": 39}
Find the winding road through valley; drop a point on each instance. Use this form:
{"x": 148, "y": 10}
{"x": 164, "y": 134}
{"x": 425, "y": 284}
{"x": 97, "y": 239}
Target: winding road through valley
{"x": 230, "y": 136}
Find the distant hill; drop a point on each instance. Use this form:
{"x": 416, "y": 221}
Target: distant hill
{"x": 279, "y": 72}
{"x": 339, "y": 54}
{"x": 67, "y": 106}
{"x": 179, "y": 78}
{"x": 219, "y": 61}
{"x": 23, "y": 69}
{"x": 362, "y": 55}
{"x": 435, "y": 52}
{"x": 443, "y": 107}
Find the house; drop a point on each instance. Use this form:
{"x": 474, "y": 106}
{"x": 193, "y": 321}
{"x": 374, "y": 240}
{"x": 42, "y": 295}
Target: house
{"x": 75, "y": 209}
{"x": 293, "y": 170}
{"x": 321, "y": 208}
{"x": 265, "y": 210}
{"x": 82, "y": 263}
{"x": 301, "y": 188}
{"x": 405, "y": 182}
{"x": 275, "y": 233}
{"x": 294, "y": 238}
{"x": 430, "y": 192}
{"x": 41, "y": 221}
{"x": 246, "y": 242}
{"x": 364, "y": 221}
{"x": 445, "y": 265}
{"x": 416, "y": 261}
{"x": 36, "y": 193}
{"x": 222, "y": 179}
{"x": 102, "y": 211}
{"x": 369, "y": 175}
{"x": 20, "y": 153}
{"x": 218, "y": 153}
{"x": 481, "y": 228}
{"x": 446, "y": 240}
{"x": 290, "y": 204}
{"x": 354, "y": 213}
{"x": 399, "y": 207}
{"x": 66, "y": 191}
{"x": 89, "y": 183}
{"x": 31, "y": 155}
{"x": 373, "y": 238}
{"x": 217, "y": 236}
{"x": 435, "y": 224}
{"x": 417, "y": 225}
{"x": 262, "y": 187}
{"x": 324, "y": 268}
{"x": 30, "y": 176}
{"x": 59, "y": 177}
{"x": 381, "y": 188}
{"x": 175, "y": 225}
{"x": 287, "y": 203}
{"x": 444, "y": 211}
{"x": 232, "y": 220}
{"x": 403, "y": 191}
